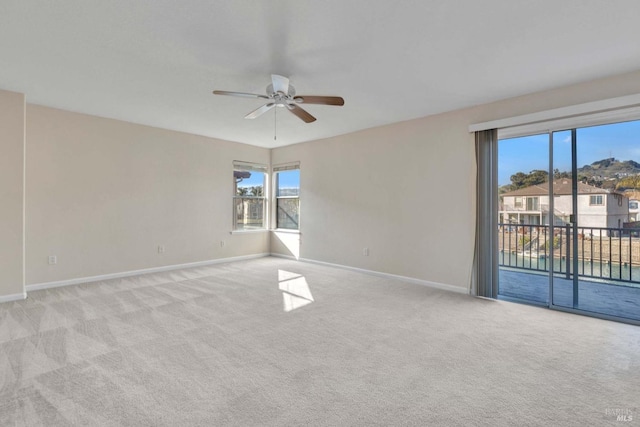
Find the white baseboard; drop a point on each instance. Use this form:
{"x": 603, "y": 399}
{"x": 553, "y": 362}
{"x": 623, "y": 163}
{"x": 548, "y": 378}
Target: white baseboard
{"x": 57, "y": 284}
{"x": 443, "y": 286}
{"x": 14, "y": 297}
{"x": 291, "y": 257}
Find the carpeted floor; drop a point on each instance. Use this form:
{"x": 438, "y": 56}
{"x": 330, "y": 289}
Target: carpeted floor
{"x": 273, "y": 342}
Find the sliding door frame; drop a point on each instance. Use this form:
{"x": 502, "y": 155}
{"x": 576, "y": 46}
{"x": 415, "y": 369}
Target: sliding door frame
{"x": 493, "y": 286}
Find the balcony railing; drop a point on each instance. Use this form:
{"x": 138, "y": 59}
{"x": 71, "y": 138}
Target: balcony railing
{"x": 611, "y": 254}
{"x": 513, "y": 208}
{"x": 542, "y": 208}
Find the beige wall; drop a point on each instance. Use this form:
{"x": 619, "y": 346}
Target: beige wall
{"x": 102, "y": 195}
{"x": 407, "y": 191}
{"x": 12, "y": 107}
{"x": 403, "y": 191}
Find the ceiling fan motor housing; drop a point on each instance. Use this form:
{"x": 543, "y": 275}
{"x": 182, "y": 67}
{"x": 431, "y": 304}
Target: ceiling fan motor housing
{"x": 280, "y": 98}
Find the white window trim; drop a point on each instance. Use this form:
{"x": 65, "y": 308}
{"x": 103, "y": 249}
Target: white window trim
{"x": 283, "y": 167}
{"x": 240, "y": 165}
{"x": 285, "y": 230}
{"x": 249, "y": 166}
{"x": 286, "y": 166}
{"x": 606, "y": 111}
{"x": 250, "y": 231}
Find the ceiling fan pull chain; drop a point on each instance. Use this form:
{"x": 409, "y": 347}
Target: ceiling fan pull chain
{"x": 275, "y": 124}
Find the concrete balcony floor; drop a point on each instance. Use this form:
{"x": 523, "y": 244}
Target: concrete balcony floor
{"x": 610, "y": 298}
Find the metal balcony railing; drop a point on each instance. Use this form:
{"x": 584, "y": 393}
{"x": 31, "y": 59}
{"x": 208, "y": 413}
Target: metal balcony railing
{"x": 611, "y": 254}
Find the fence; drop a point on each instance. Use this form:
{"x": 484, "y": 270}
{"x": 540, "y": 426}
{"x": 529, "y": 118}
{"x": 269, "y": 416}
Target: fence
{"x": 604, "y": 253}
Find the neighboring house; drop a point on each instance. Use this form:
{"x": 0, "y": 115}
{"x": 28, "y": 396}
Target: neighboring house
{"x": 634, "y": 210}
{"x": 597, "y": 207}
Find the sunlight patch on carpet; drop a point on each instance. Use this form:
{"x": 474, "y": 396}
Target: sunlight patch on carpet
{"x": 295, "y": 290}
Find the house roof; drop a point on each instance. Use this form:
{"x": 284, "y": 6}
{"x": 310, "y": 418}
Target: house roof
{"x": 157, "y": 62}
{"x": 561, "y": 187}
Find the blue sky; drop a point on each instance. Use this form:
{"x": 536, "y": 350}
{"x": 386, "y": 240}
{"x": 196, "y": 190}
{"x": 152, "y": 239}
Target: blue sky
{"x": 620, "y": 140}
{"x": 288, "y": 179}
{"x": 255, "y": 180}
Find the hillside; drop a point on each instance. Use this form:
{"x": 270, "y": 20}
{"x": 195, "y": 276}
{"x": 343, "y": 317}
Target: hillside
{"x": 610, "y": 174}
{"x": 610, "y": 168}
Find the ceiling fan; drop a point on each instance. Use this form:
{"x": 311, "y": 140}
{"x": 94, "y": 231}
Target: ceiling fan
{"x": 282, "y": 94}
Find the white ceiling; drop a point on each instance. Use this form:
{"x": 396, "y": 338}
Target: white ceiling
{"x": 156, "y": 62}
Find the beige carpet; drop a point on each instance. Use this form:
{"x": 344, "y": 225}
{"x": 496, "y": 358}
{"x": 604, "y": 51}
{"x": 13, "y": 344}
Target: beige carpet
{"x": 277, "y": 342}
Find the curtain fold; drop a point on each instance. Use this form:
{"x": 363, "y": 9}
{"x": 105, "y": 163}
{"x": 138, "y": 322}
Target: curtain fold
{"x": 484, "y": 280}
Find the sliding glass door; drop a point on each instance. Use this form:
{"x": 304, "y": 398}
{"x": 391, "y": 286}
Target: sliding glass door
{"x": 601, "y": 272}
{"x": 523, "y": 220}
{"x": 564, "y": 227}
{"x": 569, "y": 227}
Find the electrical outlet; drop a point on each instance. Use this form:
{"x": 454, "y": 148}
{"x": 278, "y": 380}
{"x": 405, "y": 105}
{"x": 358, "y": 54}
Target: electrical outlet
{"x": 161, "y": 249}
{"x": 365, "y": 252}
{"x": 222, "y": 243}
{"x": 53, "y": 260}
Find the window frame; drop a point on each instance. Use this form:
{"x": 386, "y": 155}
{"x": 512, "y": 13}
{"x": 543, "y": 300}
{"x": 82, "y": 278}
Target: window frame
{"x": 484, "y": 281}
{"x": 242, "y": 166}
{"x": 596, "y": 196}
{"x": 276, "y": 170}
{"x": 517, "y": 201}
{"x": 532, "y": 203}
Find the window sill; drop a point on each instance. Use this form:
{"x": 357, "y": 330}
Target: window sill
{"x": 285, "y": 230}
{"x": 261, "y": 230}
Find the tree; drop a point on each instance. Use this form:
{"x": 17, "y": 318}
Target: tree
{"x": 517, "y": 180}
{"x": 243, "y": 191}
{"x": 559, "y": 175}
{"x": 630, "y": 182}
{"x": 256, "y": 191}
{"x": 590, "y": 180}
{"x": 521, "y": 180}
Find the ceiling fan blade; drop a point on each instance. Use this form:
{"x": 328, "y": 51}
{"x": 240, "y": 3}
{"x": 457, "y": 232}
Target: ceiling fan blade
{"x": 260, "y": 111}
{"x": 241, "y": 94}
{"x": 301, "y": 113}
{"x": 322, "y": 100}
{"x": 280, "y": 84}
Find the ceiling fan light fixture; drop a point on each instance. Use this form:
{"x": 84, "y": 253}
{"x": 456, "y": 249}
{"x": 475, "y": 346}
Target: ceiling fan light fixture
{"x": 281, "y": 93}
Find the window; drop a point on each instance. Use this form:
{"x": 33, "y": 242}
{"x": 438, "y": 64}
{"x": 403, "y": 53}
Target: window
{"x": 287, "y": 185}
{"x": 533, "y": 204}
{"x": 633, "y": 204}
{"x": 596, "y": 200}
{"x": 249, "y": 201}
{"x": 518, "y": 202}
